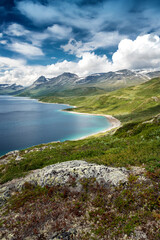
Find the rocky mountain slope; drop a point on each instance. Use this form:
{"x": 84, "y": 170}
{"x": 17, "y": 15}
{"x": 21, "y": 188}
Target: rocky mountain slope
{"x": 68, "y": 84}
{"x": 10, "y": 89}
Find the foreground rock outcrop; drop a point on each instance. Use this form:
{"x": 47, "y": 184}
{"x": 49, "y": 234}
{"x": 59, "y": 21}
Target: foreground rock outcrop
{"x": 77, "y": 200}
{"x": 60, "y": 173}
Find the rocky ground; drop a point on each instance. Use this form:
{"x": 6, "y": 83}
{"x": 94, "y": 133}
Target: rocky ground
{"x": 79, "y": 200}
{"x": 60, "y": 173}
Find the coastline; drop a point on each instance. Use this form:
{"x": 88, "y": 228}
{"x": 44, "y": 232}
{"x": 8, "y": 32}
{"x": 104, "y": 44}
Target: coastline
{"x": 115, "y": 123}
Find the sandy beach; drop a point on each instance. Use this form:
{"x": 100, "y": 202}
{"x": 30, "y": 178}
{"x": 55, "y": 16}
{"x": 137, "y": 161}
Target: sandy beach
{"x": 115, "y": 123}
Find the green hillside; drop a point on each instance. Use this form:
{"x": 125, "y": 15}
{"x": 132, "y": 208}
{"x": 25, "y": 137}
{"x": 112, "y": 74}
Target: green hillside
{"x": 109, "y": 213}
{"x": 127, "y": 104}
{"x": 83, "y": 91}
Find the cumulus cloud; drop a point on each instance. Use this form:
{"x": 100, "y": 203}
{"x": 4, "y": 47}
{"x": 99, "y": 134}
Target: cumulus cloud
{"x": 17, "y": 71}
{"x": 143, "y": 52}
{"x": 26, "y": 49}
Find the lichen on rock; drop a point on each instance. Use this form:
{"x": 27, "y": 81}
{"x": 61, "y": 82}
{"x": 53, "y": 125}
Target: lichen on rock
{"x": 59, "y": 174}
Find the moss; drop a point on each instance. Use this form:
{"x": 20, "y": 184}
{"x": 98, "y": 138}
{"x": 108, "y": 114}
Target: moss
{"x": 106, "y": 212}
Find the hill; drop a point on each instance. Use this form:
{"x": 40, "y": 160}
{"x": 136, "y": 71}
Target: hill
{"x": 127, "y": 104}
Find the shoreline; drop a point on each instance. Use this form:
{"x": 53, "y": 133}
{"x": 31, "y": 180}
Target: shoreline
{"x": 115, "y": 123}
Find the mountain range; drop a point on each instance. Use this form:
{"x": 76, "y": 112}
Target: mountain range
{"x": 69, "y": 84}
{"x": 10, "y": 89}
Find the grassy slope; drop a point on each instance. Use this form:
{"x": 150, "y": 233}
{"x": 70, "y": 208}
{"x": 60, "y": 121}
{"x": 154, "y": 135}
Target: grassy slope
{"x": 134, "y": 103}
{"x": 129, "y": 104}
{"x": 135, "y": 144}
{"x": 83, "y": 91}
{"x": 138, "y": 144}
{"x": 129, "y": 206}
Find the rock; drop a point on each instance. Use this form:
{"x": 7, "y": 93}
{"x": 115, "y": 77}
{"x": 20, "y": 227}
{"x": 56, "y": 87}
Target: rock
{"x": 137, "y": 170}
{"x": 139, "y": 235}
{"x": 14, "y": 153}
{"x": 60, "y": 174}
{"x": 65, "y": 235}
{"x": 18, "y": 158}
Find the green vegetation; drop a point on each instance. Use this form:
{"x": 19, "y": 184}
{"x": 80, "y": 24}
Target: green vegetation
{"x": 101, "y": 213}
{"x": 43, "y": 91}
{"x": 129, "y": 104}
{"x": 133, "y": 144}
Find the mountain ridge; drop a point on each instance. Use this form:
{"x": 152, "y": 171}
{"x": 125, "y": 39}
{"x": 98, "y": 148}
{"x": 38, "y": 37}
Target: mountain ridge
{"x": 10, "y": 89}
{"x": 98, "y": 82}
{"x": 68, "y": 83}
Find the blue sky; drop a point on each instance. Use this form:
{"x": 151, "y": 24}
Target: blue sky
{"x": 48, "y": 37}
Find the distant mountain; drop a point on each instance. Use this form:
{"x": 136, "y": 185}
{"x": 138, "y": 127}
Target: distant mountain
{"x": 39, "y": 81}
{"x": 10, "y": 89}
{"x": 61, "y": 80}
{"x": 153, "y": 74}
{"x": 114, "y": 80}
{"x": 45, "y": 86}
{"x": 69, "y": 84}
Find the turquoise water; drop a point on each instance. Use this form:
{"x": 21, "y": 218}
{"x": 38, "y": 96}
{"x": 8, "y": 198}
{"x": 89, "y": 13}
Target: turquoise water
{"x": 26, "y": 122}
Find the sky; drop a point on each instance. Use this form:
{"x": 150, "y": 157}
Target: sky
{"x": 49, "y": 37}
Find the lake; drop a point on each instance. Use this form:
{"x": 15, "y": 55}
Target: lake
{"x": 26, "y": 122}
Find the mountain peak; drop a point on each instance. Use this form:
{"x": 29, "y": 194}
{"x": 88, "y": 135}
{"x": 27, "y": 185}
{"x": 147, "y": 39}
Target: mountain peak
{"x": 68, "y": 74}
{"x": 40, "y": 80}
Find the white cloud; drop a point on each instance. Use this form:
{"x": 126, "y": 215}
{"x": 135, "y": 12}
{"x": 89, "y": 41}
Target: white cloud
{"x": 17, "y": 71}
{"x": 16, "y": 30}
{"x": 3, "y": 42}
{"x": 143, "y": 52}
{"x": 36, "y": 38}
{"x": 37, "y": 12}
{"x": 6, "y": 62}
{"x": 1, "y": 35}
{"x": 60, "y": 32}
{"x": 97, "y": 40}
{"x": 26, "y": 49}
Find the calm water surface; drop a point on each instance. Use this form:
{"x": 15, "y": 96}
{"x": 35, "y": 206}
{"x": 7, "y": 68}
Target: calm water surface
{"x": 26, "y": 122}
